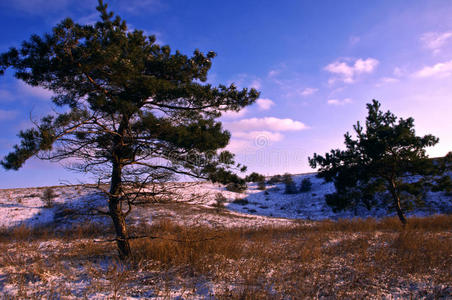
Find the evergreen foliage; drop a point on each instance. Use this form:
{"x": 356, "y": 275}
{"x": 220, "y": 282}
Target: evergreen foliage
{"x": 385, "y": 156}
{"x": 276, "y": 179}
{"x": 255, "y": 177}
{"x": 290, "y": 187}
{"x": 48, "y": 197}
{"x": 127, "y": 109}
{"x": 261, "y": 185}
{"x": 306, "y": 185}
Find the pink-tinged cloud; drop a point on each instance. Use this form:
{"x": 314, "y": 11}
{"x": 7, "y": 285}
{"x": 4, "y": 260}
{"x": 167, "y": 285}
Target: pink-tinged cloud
{"x": 234, "y": 114}
{"x": 264, "y": 104}
{"x": 251, "y": 141}
{"x": 438, "y": 70}
{"x": 338, "y": 102}
{"x": 436, "y": 40}
{"x": 348, "y": 72}
{"x": 308, "y": 91}
{"x": 386, "y": 80}
{"x": 37, "y": 92}
{"x": 254, "y": 135}
{"x": 256, "y": 84}
{"x": 268, "y": 123}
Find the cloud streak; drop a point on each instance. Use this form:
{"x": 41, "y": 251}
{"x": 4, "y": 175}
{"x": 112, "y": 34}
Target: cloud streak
{"x": 267, "y": 123}
{"x": 441, "y": 70}
{"x": 264, "y": 104}
{"x": 435, "y": 40}
{"x": 234, "y": 114}
{"x": 337, "y": 102}
{"x": 308, "y": 91}
{"x": 349, "y": 72}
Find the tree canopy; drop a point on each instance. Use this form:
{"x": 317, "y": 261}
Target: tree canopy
{"x": 385, "y": 156}
{"x": 127, "y": 109}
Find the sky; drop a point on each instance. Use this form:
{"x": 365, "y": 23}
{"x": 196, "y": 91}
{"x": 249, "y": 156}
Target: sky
{"x": 316, "y": 64}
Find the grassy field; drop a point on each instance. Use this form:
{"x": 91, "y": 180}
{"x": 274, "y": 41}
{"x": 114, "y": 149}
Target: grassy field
{"x": 343, "y": 259}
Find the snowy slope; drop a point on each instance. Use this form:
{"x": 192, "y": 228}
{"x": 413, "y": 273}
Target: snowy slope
{"x": 194, "y": 204}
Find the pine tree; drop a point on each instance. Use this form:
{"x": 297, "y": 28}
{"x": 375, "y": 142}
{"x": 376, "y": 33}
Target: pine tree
{"x": 255, "y": 177}
{"x": 290, "y": 187}
{"x": 127, "y": 109}
{"x": 306, "y": 185}
{"x": 386, "y": 156}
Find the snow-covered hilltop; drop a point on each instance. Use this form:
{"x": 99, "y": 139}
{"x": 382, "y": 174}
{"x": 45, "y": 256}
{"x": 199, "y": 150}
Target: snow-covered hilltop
{"x": 195, "y": 204}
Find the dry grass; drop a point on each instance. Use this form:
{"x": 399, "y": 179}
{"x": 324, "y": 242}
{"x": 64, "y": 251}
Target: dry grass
{"x": 343, "y": 259}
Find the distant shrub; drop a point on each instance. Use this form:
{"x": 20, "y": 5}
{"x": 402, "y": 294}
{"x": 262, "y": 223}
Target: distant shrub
{"x": 306, "y": 185}
{"x": 236, "y": 187}
{"x": 286, "y": 177}
{"x": 241, "y": 201}
{"x": 261, "y": 185}
{"x": 291, "y": 188}
{"x": 48, "y": 196}
{"x": 220, "y": 199}
{"x": 254, "y": 177}
{"x": 275, "y": 179}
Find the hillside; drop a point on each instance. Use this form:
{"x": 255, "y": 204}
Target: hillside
{"x": 195, "y": 203}
{"x": 189, "y": 245}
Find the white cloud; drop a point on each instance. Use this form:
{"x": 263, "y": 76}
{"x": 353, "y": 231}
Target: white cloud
{"x": 256, "y": 84}
{"x": 37, "y": 6}
{"x": 273, "y": 73}
{"x": 268, "y": 123}
{"x": 435, "y": 40}
{"x": 308, "y": 91}
{"x": 242, "y": 140}
{"x": 398, "y": 72}
{"x": 35, "y": 91}
{"x": 389, "y": 80}
{"x": 258, "y": 135}
{"x": 246, "y": 81}
{"x": 234, "y": 114}
{"x": 438, "y": 70}
{"x": 338, "y": 102}
{"x": 264, "y": 104}
{"x": 140, "y": 6}
{"x": 386, "y": 80}
{"x": 238, "y": 145}
{"x": 348, "y": 72}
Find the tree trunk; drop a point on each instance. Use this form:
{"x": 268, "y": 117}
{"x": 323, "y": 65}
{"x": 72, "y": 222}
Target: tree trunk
{"x": 117, "y": 216}
{"x": 396, "y": 198}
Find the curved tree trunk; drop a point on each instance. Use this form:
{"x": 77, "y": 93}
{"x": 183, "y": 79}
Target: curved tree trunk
{"x": 396, "y": 198}
{"x": 117, "y": 216}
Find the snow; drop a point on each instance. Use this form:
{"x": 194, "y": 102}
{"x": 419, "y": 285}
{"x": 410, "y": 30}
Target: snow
{"x": 272, "y": 206}
{"x": 192, "y": 204}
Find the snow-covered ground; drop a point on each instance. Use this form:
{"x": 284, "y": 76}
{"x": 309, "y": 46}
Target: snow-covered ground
{"x": 195, "y": 204}
{"x": 72, "y": 268}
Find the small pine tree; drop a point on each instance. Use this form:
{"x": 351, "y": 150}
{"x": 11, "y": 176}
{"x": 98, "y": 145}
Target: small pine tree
{"x": 236, "y": 187}
{"x": 220, "y": 199}
{"x": 306, "y": 185}
{"x": 291, "y": 188}
{"x": 261, "y": 185}
{"x": 275, "y": 179}
{"x": 254, "y": 177}
{"x": 47, "y": 197}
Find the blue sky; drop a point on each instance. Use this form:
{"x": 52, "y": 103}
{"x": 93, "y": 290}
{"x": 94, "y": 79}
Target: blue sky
{"x": 316, "y": 63}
